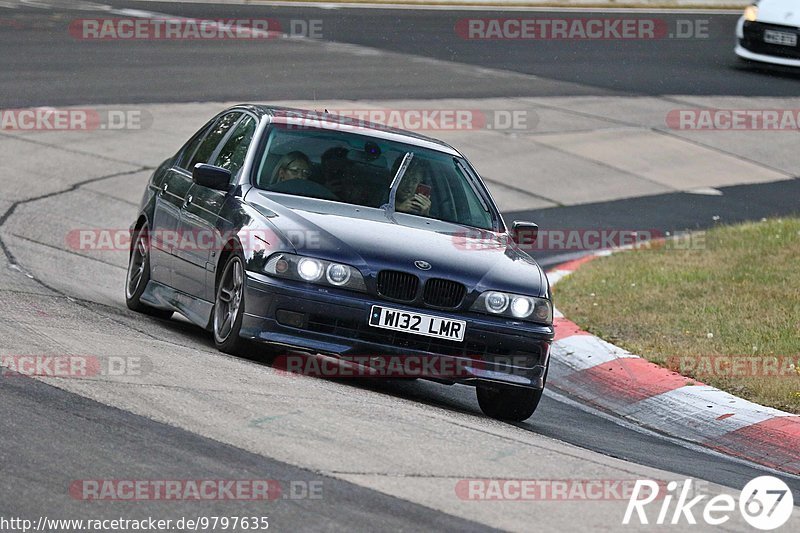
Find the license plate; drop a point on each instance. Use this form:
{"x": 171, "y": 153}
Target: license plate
{"x": 417, "y": 323}
{"x": 780, "y": 37}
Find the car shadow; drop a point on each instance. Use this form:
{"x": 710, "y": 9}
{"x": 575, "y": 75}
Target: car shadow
{"x": 456, "y": 398}
{"x": 766, "y": 69}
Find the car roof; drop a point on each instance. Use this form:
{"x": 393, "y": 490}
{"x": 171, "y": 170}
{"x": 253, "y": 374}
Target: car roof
{"x": 331, "y": 121}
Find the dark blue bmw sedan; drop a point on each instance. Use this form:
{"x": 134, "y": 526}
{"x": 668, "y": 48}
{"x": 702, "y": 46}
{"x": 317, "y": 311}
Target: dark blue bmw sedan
{"x": 316, "y": 234}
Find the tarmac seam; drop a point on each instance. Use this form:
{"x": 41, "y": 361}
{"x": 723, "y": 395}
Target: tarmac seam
{"x": 75, "y": 186}
{"x": 519, "y": 190}
{"x": 71, "y": 252}
{"x": 660, "y": 132}
{"x": 68, "y": 150}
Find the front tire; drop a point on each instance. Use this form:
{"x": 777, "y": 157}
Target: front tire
{"x": 505, "y": 402}
{"x": 139, "y": 274}
{"x": 229, "y": 307}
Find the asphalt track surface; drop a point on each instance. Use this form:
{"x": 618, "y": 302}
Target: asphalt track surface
{"x": 54, "y": 68}
{"x": 62, "y": 435}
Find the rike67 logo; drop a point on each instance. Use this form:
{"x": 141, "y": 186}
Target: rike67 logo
{"x": 765, "y": 503}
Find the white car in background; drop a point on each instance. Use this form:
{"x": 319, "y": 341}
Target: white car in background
{"x": 769, "y": 31}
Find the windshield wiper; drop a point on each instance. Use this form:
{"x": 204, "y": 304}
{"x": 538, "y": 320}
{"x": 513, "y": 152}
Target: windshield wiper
{"x": 389, "y": 208}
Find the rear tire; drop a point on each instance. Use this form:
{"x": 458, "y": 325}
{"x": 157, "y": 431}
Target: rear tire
{"x": 139, "y": 274}
{"x": 504, "y": 402}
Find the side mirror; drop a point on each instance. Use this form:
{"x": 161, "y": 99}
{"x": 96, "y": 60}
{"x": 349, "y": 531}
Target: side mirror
{"x": 524, "y": 234}
{"x": 212, "y": 177}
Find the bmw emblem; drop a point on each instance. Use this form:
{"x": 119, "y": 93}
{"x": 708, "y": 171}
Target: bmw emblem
{"x": 422, "y": 265}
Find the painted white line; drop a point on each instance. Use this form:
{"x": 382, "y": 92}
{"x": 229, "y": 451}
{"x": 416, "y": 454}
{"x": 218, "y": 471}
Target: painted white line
{"x": 352, "y": 49}
{"x": 708, "y": 191}
{"x": 36, "y": 4}
{"x": 488, "y": 7}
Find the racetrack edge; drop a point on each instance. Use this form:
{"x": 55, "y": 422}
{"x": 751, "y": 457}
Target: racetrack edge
{"x": 611, "y": 379}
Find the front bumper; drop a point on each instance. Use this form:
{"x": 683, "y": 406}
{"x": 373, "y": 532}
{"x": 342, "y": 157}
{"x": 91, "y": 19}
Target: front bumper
{"x": 334, "y": 322}
{"x": 751, "y": 45}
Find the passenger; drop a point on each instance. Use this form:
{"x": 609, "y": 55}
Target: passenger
{"x": 294, "y": 165}
{"x": 335, "y": 170}
{"x": 408, "y": 200}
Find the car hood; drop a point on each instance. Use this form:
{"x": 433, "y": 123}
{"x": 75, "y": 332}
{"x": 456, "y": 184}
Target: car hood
{"x": 784, "y": 12}
{"x": 364, "y": 237}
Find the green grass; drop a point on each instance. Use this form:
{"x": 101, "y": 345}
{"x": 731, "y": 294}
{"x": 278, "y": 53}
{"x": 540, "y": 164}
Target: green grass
{"x": 737, "y": 295}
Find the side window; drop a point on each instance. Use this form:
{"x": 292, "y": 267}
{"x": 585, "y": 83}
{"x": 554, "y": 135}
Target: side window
{"x": 217, "y": 133}
{"x": 189, "y": 149}
{"x": 232, "y": 155}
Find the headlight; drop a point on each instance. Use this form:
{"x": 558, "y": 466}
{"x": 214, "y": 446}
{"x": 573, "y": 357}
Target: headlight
{"x": 496, "y": 302}
{"x": 515, "y": 306}
{"x": 338, "y": 274}
{"x": 319, "y": 271}
{"x": 751, "y": 13}
{"x": 521, "y": 306}
{"x": 310, "y": 269}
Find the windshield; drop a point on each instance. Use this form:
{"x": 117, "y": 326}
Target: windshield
{"x": 358, "y": 169}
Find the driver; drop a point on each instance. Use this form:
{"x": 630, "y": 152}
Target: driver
{"x": 294, "y": 165}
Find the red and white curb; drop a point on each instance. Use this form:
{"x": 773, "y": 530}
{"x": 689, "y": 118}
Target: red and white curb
{"x": 607, "y": 377}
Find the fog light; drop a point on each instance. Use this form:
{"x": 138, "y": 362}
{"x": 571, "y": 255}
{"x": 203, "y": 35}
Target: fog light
{"x": 290, "y": 318}
{"x": 309, "y": 269}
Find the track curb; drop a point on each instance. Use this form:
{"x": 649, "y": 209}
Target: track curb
{"x": 607, "y": 377}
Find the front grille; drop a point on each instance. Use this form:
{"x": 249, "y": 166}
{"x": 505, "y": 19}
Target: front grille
{"x": 754, "y": 40}
{"x": 443, "y": 293}
{"x": 398, "y": 286}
